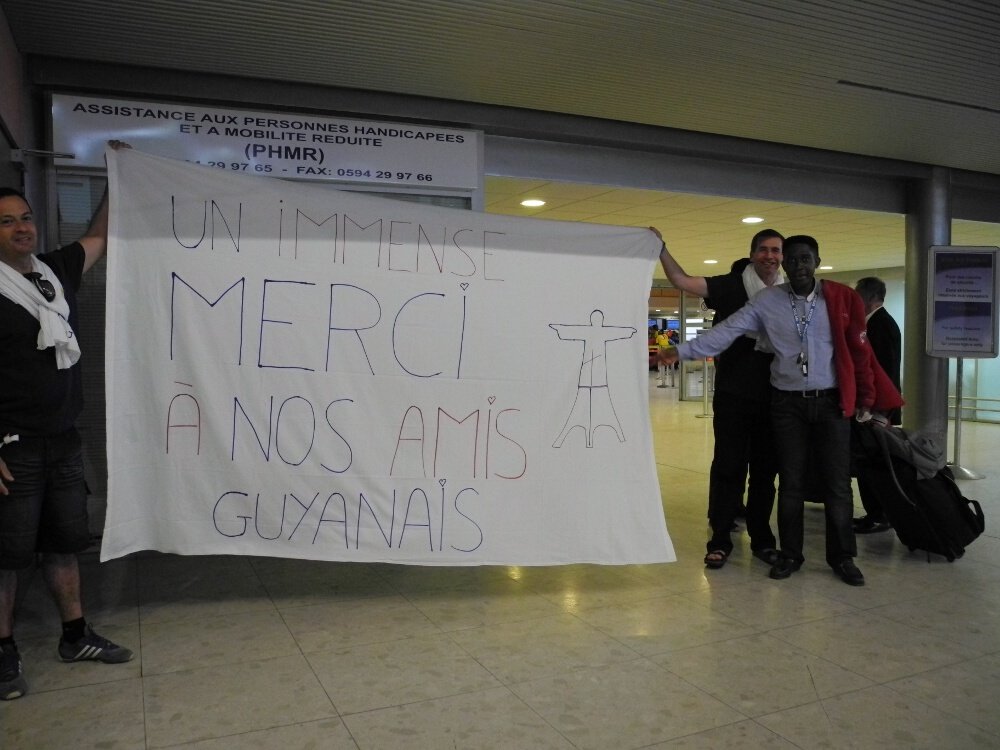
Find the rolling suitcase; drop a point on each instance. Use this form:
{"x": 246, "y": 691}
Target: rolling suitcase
{"x": 918, "y": 492}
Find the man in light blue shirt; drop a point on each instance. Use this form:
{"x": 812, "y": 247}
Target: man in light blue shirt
{"x": 821, "y": 373}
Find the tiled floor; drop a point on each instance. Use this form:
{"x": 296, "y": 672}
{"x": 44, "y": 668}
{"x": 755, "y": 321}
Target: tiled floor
{"x": 271, "y": 653}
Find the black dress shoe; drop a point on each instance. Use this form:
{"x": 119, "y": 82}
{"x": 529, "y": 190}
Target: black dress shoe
{"x": 784, "y": 568}
{"x": 767, "y": 554}
{"x": 849, "y": 573}
{"x": 869, "y": 525}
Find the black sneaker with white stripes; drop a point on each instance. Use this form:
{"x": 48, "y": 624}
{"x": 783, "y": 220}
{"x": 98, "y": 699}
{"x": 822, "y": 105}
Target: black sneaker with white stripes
{"x": 93, "y": 647}
{"x": 12, "y": 682}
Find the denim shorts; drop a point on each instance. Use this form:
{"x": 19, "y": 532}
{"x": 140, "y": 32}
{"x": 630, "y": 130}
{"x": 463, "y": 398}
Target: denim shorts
{"x": 46, "y": 510}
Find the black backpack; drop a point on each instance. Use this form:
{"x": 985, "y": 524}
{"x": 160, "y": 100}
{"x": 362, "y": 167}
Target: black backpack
{"x": 927, "y": 510}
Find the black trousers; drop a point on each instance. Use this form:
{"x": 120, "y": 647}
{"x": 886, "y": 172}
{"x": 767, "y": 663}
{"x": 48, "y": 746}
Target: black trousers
{"x": 813, "y": 425}
{"x": 869, "y": 496}
{"x": 744, "y": 446}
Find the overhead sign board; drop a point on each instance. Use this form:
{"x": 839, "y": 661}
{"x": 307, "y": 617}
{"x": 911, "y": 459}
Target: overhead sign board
{"x": 287, "y": 145}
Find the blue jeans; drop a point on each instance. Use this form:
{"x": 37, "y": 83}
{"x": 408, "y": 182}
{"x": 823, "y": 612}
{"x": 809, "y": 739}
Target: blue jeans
{"x": 46, "y": 510}
{"x": 804, "y": 425}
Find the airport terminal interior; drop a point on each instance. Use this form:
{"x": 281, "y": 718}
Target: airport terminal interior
{"x": 249, "y": 652}
{"x": 870, "y": 126}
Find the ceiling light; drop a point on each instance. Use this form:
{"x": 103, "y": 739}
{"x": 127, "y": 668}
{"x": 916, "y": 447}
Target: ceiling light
{"x": 711, "y": 262}
{"x": 532, "y": 203}
{"x": 752, "y": 219}
{"x": 826, "y": 268}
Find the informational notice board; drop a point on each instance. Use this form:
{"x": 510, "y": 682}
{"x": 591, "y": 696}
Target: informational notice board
{"x": 962, "y": 293}
{"x": 378, "y": 154}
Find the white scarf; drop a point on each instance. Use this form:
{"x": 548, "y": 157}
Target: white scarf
{"x": 753, "y": 283}
{"x": 53, "y": 317}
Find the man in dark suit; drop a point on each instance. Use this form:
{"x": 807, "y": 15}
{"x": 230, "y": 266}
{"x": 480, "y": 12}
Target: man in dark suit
{"x": 887, "y": 345}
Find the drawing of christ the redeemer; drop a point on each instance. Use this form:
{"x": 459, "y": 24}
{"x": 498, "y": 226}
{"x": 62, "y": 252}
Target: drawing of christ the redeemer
{"x": 593, "y": 406}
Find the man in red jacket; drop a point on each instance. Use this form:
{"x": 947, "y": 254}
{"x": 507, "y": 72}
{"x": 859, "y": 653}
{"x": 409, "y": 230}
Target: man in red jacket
{"x": 823, "y": 373}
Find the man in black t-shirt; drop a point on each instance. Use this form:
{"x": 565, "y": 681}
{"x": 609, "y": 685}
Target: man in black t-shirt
{"x": 43, "y": 498}
{"x": 741, "y": 422}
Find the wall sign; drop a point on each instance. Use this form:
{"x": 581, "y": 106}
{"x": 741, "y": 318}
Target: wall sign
{"x": 962, "y": 292}
{"x": 286, "y": 145}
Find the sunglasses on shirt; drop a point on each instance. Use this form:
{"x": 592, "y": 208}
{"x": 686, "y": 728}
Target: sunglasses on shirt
{"x": 44, "y": 286}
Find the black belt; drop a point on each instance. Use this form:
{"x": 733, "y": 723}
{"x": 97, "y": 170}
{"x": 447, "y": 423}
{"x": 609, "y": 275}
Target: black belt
{"x": 816, "y": 393}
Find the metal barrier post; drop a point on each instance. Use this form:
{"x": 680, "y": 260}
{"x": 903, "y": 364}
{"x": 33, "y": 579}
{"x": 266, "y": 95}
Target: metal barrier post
{"x": 704, "y": 392}
{"x": 957, "y": 469}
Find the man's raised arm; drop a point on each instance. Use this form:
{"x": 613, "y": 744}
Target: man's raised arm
{"x": 95, "y": 239}
{"x": 696, "y": 285}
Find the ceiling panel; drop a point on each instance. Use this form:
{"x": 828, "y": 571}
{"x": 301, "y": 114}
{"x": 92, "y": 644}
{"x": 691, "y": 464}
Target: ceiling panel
{"x": 698, "y": 227}
{"x": 917, "y": 81}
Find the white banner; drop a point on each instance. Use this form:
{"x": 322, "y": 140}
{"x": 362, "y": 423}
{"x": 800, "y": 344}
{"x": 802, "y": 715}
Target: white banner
{"x": 302, "y": 372}
{"x": 288, "y": 145}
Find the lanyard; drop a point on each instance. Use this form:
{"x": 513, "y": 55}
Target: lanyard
{"x": 802, "y": 327}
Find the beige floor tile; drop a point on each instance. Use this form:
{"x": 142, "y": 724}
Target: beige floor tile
{"x": 294, "y": 583}
{"x": 688, "y": 526}
{"x": 968, "y": 691}
{"x": 764, "y": 603}
{"x": 743, "y": 735}
{"x": 209, "y": 641}
{"x": 687, "y": 571}
{"x": 328, "y": 734}
{"x": 876, "y": 717}
{"x": 688, "y": 574}
{"x": 576, "y": 587}
{"x": 161, "y": 568}
{"x": 184, "y": 598}
{"x": 103, "y": 716}
{"x": 323, "y": 627}
{"x": 874, "y": 646}
{"x": 485, "y": 720}
{"x": 657, "y": 625}
{"x": 979, "y": 580}
{"x": 473, "y": 607}
{"x": 109, "y": 590}
{"x": 611, "y": 657}
{"x": 771, "y": 675}
{"x": 678, "y": 482}
{"x": 895, "y": 576}
{"x": 543, "y": 578}
{"x": 408, "y": 579}
{"x": 368, "y": 677}
{"x": 986, "y": 549}
{"x": 964, "y": 618}
{"x": 628, "y": 705}
{"x": 232, "y": 699}
{"x": 528, "y": 650}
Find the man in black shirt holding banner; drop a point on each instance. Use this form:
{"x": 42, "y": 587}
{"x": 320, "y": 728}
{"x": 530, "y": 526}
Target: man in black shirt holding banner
{"x": 43, "y": 498}
{"x": 741, "y": 421}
